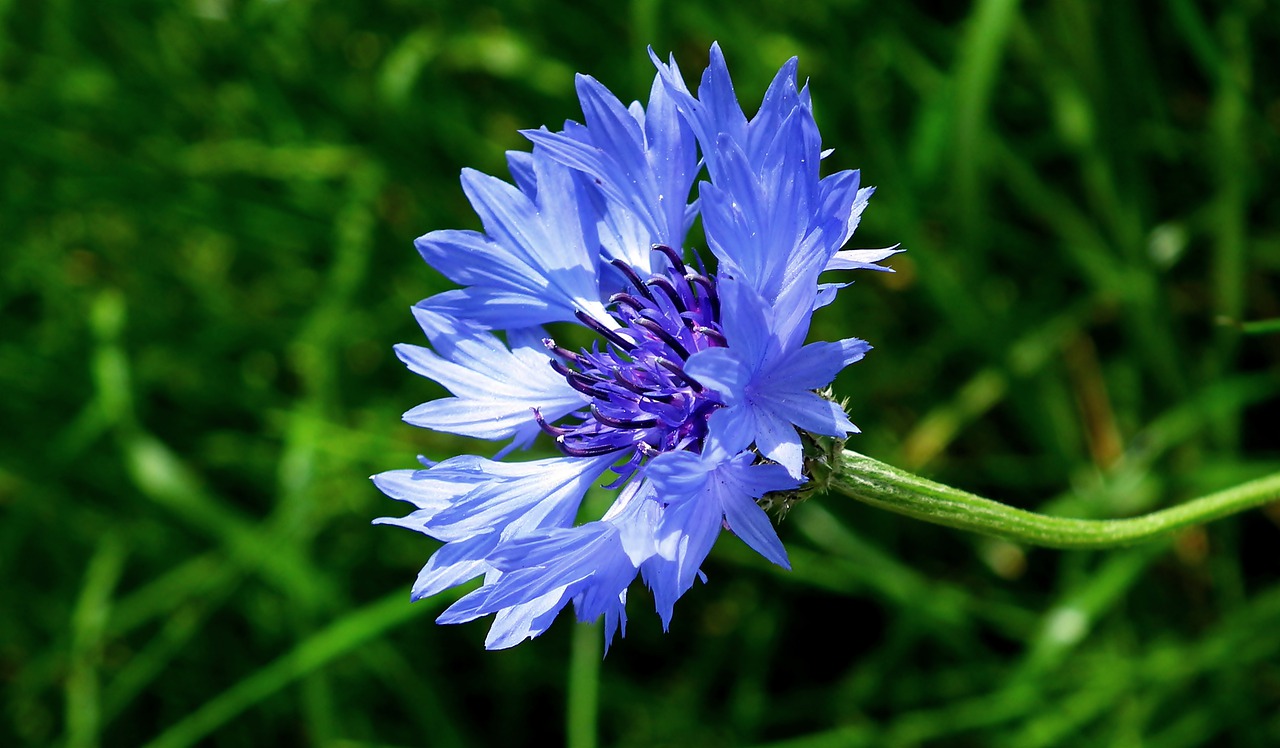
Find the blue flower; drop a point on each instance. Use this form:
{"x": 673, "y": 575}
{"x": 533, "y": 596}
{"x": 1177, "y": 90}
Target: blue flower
{"x": 692, "y": 399}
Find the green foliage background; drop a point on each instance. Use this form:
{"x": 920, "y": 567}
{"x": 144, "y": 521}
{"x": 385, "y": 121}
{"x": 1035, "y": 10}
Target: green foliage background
{"x": 206, "y": 217}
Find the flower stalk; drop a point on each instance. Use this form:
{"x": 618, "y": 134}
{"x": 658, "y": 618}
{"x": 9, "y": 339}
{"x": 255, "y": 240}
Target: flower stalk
{"x": 881, "y": 485}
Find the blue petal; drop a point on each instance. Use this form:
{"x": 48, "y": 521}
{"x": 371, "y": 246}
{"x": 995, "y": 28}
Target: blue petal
{"x": 745, "y": 318}
{"x": 676, "y": 476}
{"x": 844, "y": 203}
{"x": 495, "y": 388}
{"x": 838, "y": 195}
{"x": 617, "y": 133}
{"x": 499, "y": 276}
{"x": 792, "y": 308}
{"x": 464, "y": 257}
{"x": 813, "y": 366}
{"x": 622, "y": 236}
{"x": 862, "y": 259}
{"x": 812, "y": 413}
{"x": 739, "y": 483}
{"x": 685, "y": 536}
{"x": 546, "y": 233}
{"x": 733, "y": 428}
{"x": 524, "y": 585}
{"x": 721, "y": 370}
{"x": 511, "y": 219}
{"x": 454, "y": 564}
{"x": 520, "y": 164}
{"x": 673, "y": 161}
{"x": 524, "y": 496}
{"x": 493, "y": 308}
{"x": 827, "y": 293}
{"x": 511, "y": 625}
{"x": 475, "y": 417}
{"x": 734, "y": 217}
{"x": 748, "y": 521}
{"x": 586, "y": 563}
{"x": 424, "y": 492}
{"x": 518, "y": 623}
{"x": 780, "y": 100}
{"x": 643, "y": 162}
{"x": 637, "y": 521}
{"x": 718, "y": 110}
{"x": 777, "y": 439}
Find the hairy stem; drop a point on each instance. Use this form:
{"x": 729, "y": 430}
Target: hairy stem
{"x": 881, "y": 485}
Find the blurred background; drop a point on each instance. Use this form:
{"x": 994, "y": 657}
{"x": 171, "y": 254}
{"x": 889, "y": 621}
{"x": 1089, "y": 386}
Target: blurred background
{"x": 207, "y": 210}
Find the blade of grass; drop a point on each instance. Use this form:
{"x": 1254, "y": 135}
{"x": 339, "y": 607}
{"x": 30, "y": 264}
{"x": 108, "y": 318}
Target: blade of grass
{"x": 977, "y": 68}
{"x": 897, "y": 582}
{"x": 1261, "y": 327}
{"x": 582, "y": 701}
{"x": 1233, "y": 165}
{"x": 335, "y": 640}
{"x": 88, "y": 630}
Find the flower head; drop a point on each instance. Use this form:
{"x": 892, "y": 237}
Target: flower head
{"x": 692, "y": 397}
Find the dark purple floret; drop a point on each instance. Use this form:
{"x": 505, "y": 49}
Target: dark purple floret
{"x": 643, "y": 402}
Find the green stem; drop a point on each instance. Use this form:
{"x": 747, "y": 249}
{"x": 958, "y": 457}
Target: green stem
{"x": 1261, "y": 327}
{"x": 584, "y": 685}
{"x": 881, "y": 485}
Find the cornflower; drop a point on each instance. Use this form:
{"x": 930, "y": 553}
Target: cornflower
{"x": 692, "y": 400}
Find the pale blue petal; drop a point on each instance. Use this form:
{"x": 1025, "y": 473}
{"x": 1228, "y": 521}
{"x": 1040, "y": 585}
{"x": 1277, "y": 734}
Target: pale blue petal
{"x": 526, "y": 621}
{"x": 748, "y": 521}
{"x": 721, "y": 370}
{"x": 780, "y": 100}
{"x": 745, "y": 318}
{"x": 454, "y": 564}
{"x": 478, "y": 418}
{"x": 495, "y": 389}
{"x": 777, "y": 440}
{"x": 812, "y": 413}
{"x": 492, "y": 308}
{"x": 732, "y": 428}
{"x": 827, "y": 293}
{"x": 813, "y": 366}
{"x": 735, "y": 216}
{"x": 417, "y": 488}
{"x": 673, "y": 161}
{"x": 839, "y": 193}
{"x": 510, "y": 218}
{"x": 686, "y": 533}
{"x": 862, "y": 259}
{"x": 718, "y": 110}
{"x": 546, "y": 236}
{"x": 520, "y": 164}
{"x": 616, "y": 132}
{"x": 537, "y": 494}
{"x": 676, "y": 476}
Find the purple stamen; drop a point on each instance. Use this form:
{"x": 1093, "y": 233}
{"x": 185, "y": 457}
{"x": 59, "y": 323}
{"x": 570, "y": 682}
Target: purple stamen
{"x": 643, "y": 402}
{"x": 665, "y": 336}
{"x": 710, "y": 287}
{"x": 622, "y": 423}
{"x": 676, "y": 261}
{"x": 608, "y": 334}
{"x": 623, "y": 297}
{"x": 678, "y": 373}
{"x": 561, "y": 352}
{"x": 628, "y": 271}
{"x": 670, "y": 290}
{"x": 715, "y": 335}
{"x": 556, "y": 431}
{"x": 594, "y": 451}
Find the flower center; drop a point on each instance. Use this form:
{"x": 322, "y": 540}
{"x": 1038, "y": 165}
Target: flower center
{"x": 641, "y": 398}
